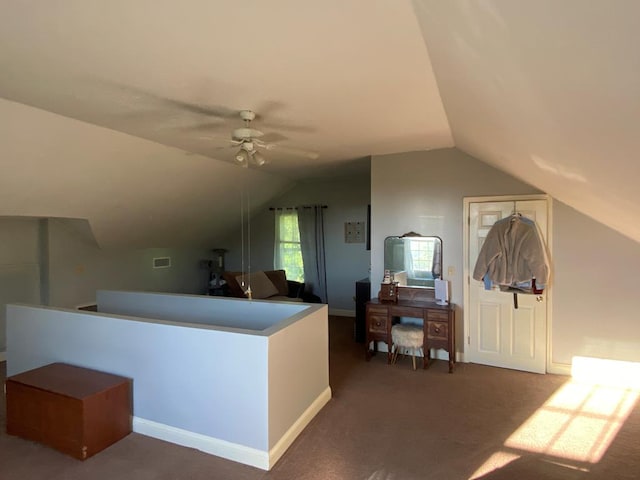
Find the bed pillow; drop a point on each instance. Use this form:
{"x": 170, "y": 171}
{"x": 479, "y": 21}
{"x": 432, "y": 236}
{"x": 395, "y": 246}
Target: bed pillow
{"x": 261, "y": 286}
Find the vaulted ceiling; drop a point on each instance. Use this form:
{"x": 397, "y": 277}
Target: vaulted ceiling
{"x": 121, "y": 112}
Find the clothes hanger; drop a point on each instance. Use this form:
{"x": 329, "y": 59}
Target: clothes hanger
{"x": 515, "y": 214}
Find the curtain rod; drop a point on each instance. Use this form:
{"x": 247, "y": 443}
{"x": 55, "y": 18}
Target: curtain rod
{"x": 296, "y": 208}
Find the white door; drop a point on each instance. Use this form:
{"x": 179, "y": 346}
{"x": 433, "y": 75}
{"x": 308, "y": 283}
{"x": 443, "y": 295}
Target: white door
{"x": 499, "y": 334}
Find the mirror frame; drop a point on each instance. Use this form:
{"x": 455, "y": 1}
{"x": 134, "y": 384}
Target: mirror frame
{"x": 411, "y": 235}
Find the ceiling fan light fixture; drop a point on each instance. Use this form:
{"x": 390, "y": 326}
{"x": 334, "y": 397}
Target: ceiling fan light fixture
{"x": 242, "y": 157}
{"x": 249, "y": 140}
{"x": 259, "y": 159}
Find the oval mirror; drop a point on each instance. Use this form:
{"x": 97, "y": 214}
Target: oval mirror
{"x": 413, "y": 260}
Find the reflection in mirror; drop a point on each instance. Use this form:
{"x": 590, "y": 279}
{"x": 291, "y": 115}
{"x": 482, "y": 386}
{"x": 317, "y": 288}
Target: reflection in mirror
{"x": 413, "y": 260}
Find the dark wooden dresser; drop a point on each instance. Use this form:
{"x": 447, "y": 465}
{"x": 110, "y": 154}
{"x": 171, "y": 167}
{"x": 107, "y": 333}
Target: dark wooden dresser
{"x": 75, "y": 410}
{"x": 363, "y": 295}
{"x": 438, "y": 324}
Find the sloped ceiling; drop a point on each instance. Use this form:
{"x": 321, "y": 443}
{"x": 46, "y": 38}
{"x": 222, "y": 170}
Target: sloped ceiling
{"x": 342, "y": 79}
{"x": 547, "y": 91}
{"x": 119, "y": 111}
{"x": 134, "y": 192}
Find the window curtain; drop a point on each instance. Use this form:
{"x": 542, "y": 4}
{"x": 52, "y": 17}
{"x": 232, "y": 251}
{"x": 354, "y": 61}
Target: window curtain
{"x": 408, "y": 260}
{"x": 311, "y": 225}
{"x": 436, "y": 269}
{"x": 277, "y": 253}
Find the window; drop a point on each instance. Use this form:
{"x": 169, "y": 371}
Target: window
{"x": 422, "y": 259}
{"x": 288, "y": 254}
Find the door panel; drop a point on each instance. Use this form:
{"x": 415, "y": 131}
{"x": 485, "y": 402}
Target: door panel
{"x": 489, "y": 328}
{"x": 523, "y": 333}
{"x": 500, "y": 334}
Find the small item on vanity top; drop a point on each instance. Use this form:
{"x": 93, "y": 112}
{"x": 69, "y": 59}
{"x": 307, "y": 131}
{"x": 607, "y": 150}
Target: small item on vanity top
{"x": 387, "y": 277}
{"x": 388, "y": 292}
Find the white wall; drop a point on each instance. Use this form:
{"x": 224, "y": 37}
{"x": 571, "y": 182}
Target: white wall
{"x": 347, "y": 199}
{"x": 236, "y": 313}
{"x": 19, "y": 266}
{"x": 298, "y": 372}
{"x": 175, "y": 370}
{"x": 235, "y": 391}
{"x": 595, "y": 297}
{"x": 78, "y": 267}
{"x": 57, "y": 262}
{"x": 423, "y": 191}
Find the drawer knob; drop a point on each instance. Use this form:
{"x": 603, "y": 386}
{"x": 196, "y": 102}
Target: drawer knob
{"x": 437, "y": 330}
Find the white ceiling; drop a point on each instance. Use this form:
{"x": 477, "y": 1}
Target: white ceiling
{"x": 548, "y": 91}
{"x": 109, "y": 105}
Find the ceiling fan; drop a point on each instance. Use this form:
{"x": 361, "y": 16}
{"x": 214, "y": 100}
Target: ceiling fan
{"x": 249, "y": 140}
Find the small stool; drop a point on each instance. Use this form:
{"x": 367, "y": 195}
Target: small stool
{"x": 406, "y": 336}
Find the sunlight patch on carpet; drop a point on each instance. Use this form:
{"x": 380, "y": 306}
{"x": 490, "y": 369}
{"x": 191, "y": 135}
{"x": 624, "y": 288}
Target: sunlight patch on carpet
{"x": 580, "y": 420}
{"x": 496, "y": 461}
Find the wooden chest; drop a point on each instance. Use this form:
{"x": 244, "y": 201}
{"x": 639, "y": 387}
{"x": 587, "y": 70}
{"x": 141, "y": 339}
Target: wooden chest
{"x": 75, "y": 410}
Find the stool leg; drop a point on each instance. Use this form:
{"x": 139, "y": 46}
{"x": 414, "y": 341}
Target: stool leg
{"x": 413, "y": 357}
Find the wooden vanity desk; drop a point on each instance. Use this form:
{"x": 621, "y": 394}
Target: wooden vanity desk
{"x": 438, "y": 322}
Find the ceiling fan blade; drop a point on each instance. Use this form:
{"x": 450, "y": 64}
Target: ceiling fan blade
{"x": 267, "y": 108}
{"x": 293, "y": 151}
{"x": 210, "y": 111}
{"x": 226, "y": 147}
{"x": 246, "y": 133}
{"x": 206, "y": 127}
{"x": 287, "y": 127}
{"x": 219, "y": 111}
{"x": 273, "y": 137}
{"x": 216, "y": 138}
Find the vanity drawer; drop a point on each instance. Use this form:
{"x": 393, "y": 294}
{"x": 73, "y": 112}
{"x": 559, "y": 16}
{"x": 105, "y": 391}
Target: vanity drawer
{"x": 378, "y": 323}
{"x": 438, "y": 330}
{"x": 437, "y": 315}
{"x": 377, "y": 310}
{"x": 377, "y": 319}
{"x": 405, "y": 311}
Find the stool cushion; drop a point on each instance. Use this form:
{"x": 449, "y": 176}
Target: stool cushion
{"x": 407, "y": 335}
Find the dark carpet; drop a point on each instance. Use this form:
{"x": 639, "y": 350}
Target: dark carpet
{"x": 384, "y": 422}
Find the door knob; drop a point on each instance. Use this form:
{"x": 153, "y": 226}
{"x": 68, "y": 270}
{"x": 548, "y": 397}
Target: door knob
{"x": 539, "y": 298}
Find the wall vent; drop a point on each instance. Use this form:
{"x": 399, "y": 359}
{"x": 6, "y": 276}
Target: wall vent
{"x": 162, "y": 262}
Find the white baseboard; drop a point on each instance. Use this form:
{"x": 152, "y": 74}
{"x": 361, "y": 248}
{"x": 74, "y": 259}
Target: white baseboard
{"x": 3, "y": 356}
{"x": 214, "y": 446}
{"x": 232, "y": 451}
{"x": 290, "y": 435}
{"x": 559, "y": 369}
{"x": 339, "y": 312}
